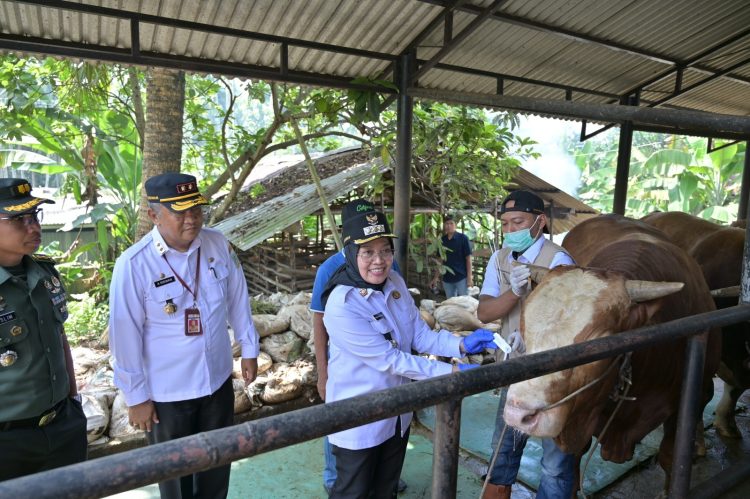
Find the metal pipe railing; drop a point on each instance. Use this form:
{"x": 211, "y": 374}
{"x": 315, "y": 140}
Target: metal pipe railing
{"x": 687, "y": 416}
{"x": 446, "y": 439}
{"x": 154, "y": 463}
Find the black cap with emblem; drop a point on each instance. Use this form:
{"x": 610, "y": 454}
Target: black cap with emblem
{"x": 176, "y": 191}
{"x": 366, "y": 227}
{"x": 16, "y": 198}
{"x": 356, "y": 207}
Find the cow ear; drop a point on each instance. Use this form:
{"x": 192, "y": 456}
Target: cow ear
{"x": 641, "y": 313}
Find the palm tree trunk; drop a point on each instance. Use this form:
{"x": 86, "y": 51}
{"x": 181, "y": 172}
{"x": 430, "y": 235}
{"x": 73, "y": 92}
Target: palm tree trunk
{"x": 162, "y": 147}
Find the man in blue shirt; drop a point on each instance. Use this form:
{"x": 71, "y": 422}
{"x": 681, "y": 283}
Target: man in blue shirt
{"x": 320, "y": 335}
{"x": 458, "y": 279}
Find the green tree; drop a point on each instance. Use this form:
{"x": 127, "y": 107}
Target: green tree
{"x": 81, "y": 119}
{"x": 667, "y": 173}
{"x": 462, "y": 159}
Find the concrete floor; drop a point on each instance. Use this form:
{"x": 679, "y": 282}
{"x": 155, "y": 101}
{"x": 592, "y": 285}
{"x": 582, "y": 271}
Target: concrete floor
{"x": 295, "y": 472}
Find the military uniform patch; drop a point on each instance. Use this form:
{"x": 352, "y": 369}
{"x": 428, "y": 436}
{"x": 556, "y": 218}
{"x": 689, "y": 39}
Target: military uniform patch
{"x": 7, "y": 317}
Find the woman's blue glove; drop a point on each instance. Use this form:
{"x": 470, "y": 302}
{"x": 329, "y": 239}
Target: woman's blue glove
{"x": 466, "y": 367}
{"x": 479, "y": 340}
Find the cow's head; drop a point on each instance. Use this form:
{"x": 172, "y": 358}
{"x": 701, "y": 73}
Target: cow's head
{"x": 572, "y": 305}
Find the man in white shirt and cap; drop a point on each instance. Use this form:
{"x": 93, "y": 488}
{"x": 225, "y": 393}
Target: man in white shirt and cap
{"x": 172, "y": 295}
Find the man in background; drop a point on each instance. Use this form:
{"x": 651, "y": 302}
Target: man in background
{"x": 456, "y": 268}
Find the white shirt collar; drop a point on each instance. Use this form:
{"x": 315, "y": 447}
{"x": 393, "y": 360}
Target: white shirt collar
{"x": 531, "y": 253}
{"x": 161, "y": 246}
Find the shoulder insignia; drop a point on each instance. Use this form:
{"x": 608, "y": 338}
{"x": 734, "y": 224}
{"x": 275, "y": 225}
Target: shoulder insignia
{"x": 39, "y": 257}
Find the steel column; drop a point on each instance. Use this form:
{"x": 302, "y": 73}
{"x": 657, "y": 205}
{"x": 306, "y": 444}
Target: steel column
{"x": 402, "y": 175}
{"x": 623, "y": 167}
{"x": 744, "y": 193}
{"x": 745, "y": 190}
{"x": 445, "y": 449}
{"x": 687, "y": 417}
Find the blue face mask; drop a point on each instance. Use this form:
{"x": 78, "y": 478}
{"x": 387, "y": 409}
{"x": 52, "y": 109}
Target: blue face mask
{"x": 520, "y": 240}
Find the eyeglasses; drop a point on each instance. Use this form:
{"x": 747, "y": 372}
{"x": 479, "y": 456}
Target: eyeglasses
{"x": 369, "y": 255}
{"x": 25, "y": 219}
{"x": 195, "y": 212}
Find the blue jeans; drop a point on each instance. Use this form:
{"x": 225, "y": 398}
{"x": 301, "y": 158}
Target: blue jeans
{"x": 329, "y": 470}
{"x": 457, "y": 288}
{"x": 558, "y": 475}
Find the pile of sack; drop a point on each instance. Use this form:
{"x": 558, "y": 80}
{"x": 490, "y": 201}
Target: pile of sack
{"x": 286, "y": 365}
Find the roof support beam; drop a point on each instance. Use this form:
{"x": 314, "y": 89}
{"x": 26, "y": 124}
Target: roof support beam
{"x": 206, "y": 28}
{"x": 697, "y": 122}
{"x": 610, "y": 44}
{"x": 445, "y": 17}
{"x": 75, "y": 50}
{"x": 460, "y": 37}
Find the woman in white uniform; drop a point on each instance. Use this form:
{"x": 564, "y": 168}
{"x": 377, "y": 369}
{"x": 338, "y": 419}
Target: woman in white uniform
{"x": 373, "y": 326}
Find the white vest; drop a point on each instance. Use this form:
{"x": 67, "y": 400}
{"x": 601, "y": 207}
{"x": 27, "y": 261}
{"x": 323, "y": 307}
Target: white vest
{"x": 544, "y": 259}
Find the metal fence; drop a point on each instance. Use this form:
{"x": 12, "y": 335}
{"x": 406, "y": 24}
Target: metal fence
{"x": 128, "y": 470}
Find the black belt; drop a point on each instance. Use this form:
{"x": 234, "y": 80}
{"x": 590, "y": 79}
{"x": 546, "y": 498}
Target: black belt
{"x": 42, "y": 420}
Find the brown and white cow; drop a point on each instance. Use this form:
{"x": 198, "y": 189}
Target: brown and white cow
{"x": 718, "y": 251}
{"x": 574, "y": 304}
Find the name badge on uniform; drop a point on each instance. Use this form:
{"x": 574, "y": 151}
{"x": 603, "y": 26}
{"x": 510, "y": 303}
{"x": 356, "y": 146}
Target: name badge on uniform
{"x": 7, "y": 317}
{"x": 164, "y": 281}
{"x": 193, "y": 322}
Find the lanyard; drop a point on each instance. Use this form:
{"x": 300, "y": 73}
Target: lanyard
{"x": 182, "y": 281}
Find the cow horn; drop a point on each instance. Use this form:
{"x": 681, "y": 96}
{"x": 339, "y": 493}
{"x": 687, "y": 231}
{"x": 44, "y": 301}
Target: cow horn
{"x": 650, "y": 290}
{"x": 537, "y": 273}
{"x": 728, "y": 292}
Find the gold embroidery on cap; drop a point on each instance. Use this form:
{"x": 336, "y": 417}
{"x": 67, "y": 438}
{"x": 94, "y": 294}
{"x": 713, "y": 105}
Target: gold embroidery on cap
{"x": 23, "y": 206}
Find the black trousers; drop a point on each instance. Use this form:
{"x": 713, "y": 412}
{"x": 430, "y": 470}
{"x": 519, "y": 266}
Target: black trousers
{"x": 188, "y": 417}
{"x": 370, "y": 473}
{"x": 24, "y": 451}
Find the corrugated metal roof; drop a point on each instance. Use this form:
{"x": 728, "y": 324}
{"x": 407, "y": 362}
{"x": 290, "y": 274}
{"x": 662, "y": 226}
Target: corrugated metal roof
{"x": 610, "y": 46}
{"x": 253, "y": 226}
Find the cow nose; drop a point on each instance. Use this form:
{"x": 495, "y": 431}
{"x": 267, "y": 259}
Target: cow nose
{"x": 530, "y": 419}
{"x": 523, "y": 419}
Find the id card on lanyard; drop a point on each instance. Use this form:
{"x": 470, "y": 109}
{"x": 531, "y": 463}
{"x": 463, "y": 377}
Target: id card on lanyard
{"x": 192, "y": 315}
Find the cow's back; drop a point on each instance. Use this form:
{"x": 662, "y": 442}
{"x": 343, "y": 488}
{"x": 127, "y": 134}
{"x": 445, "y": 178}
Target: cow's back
{"x": 683, "y": 229}
{"x": 585, "y": 240}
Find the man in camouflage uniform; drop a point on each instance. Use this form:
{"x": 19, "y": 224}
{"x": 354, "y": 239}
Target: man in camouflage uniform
{"x": 42, "y": 425}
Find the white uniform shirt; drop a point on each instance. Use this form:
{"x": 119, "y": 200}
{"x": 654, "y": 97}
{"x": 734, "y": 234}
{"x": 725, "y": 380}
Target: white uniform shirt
{"x": 491, "y": 284}
{"x": 362, "y": 360}
{"x": 154, "y": 359}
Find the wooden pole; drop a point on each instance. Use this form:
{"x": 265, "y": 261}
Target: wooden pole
{"x": 318, "y": 186}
